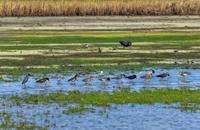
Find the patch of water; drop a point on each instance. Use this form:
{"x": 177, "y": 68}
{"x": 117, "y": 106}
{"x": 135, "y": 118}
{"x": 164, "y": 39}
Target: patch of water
{"x": 117, "y": 117}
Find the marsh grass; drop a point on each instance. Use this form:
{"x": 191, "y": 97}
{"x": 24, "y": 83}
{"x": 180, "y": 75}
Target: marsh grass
{"x": 98, "y": 7}
{"x": 7, "y": 123}
{"x": 78, "y": 110}
{"x": 169, "y": 38}
{"x": 101, "y": 98}
{"x": 188, "y": 107}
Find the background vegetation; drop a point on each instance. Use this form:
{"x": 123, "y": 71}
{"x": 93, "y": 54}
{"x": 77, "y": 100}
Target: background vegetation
{"x": 98, "y": 7}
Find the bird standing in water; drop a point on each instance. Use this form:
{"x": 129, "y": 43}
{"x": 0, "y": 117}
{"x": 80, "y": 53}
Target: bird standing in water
{"x": 163, "y": 75}
{"x": 130, "y": 77}
{"x": 88, "y": 79}
{"x": 184, "y": 73}
{"x": 43, "y": 80}
{"x": 26, "y": 78}
{"x": 148, "y": 75}
{"x": 105, "y": 79}
{"x": 125, "y": 43}
{"x": 73, "y": 78}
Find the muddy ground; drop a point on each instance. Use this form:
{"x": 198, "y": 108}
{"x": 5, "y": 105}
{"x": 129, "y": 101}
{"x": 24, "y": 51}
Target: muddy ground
{"x": 148, "y": 23}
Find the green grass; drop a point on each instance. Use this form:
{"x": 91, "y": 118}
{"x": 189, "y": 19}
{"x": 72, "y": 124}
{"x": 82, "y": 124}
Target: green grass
{"x": 7, "y": 123}
{"x": 78, "y": 110}
{"x": 68, "y": 60}
{"x": 21, "y": 126}
{"x": 100, "y": 98}
{"x": 94, "y": 68}
{"x": 102, "y": 39}
{"x": 189, "y": 107}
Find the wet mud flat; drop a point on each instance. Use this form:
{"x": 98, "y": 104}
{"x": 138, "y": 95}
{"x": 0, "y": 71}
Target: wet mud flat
{"x": 100, "y": 23}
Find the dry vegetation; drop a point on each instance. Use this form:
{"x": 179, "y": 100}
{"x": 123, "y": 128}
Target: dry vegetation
{"x": 98, "y": 7}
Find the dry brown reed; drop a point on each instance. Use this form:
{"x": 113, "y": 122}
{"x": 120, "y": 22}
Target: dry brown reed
{"x": 98, "y": 7}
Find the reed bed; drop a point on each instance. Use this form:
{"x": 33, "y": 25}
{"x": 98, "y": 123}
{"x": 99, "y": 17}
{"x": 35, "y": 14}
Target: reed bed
{"x": 98, "y": 7}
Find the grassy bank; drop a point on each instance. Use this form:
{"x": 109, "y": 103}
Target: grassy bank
{"x": 98, "y": 7}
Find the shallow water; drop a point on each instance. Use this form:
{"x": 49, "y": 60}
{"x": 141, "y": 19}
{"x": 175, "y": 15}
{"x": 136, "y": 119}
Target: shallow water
{"x": 59, "y": 82}
{"x": 117, "y": 117}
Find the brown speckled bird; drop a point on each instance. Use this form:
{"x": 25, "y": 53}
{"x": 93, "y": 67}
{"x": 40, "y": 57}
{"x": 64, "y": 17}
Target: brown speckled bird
{"x": 184, "y": 73}
{"x": 148, "y": 75}
{"x": 43, "y": 80}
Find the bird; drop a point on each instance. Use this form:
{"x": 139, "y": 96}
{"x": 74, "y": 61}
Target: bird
{"x": 85, "y": 46}
{"x": 99, "y": 50}
{"x": 163, "y": 75}
{"x": 125, "y": 43}
{"x": 88, "y": 79}
{"x": 73, "y": 78}
{"x": 184, "y": 73}
{"x": 148, "y": 75}
{"x": 43, "y": 80}
{"x": 131, "y": 76}
{"x": 26, "y": 78}
{"x": 151, "y": 70}
{"x": 104, "y": 79}
{"x": 175, "y": 51}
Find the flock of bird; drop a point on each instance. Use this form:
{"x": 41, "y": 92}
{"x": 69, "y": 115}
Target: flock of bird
{"x": 148, "y": 74}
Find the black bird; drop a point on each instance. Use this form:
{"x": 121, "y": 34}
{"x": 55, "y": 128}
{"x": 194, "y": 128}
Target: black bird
{"x": 43, "y": 80}
{"x": 131, "y": 76}
{"x": 99, "y": 50}
{"x": 104, "y": 79}
{"x": 163, "y": 75}
{"x": 73, "y": 78}
{"x": 125, "y": 43}
{"x": 26, "y": 78}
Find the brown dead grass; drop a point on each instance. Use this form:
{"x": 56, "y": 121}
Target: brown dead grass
{"x": 98, "y": 7}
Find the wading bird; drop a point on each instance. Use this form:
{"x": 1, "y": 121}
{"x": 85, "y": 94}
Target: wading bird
{"x": 151, "y": 70}
{"x": 26, "y": 78}
{"x": 163, "y": 75}
{"x": 88, "y": 79}
{"x": 73, "y": 78}
{"x": 104, "y": 79}
{"x": 130, "y": 77}
{"x": 125, "y": 43}
{"x": 43, "y": 80}
{"x": 184, "y": 73}
{"x": 148, "y": 75}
